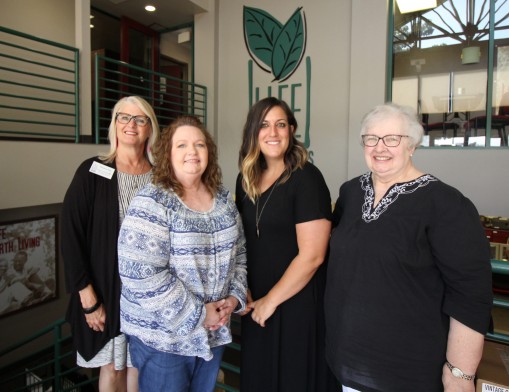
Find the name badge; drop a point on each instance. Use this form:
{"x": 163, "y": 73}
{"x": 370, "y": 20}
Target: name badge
{"x": 102, "y": 170}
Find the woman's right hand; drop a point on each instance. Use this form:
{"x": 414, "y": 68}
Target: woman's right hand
{"x": 249, "y": 301}
{"x": 215, "y": 317}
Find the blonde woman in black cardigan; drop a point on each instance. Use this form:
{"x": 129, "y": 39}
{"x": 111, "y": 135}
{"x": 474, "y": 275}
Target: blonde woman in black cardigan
{"x": 93, "y": 209}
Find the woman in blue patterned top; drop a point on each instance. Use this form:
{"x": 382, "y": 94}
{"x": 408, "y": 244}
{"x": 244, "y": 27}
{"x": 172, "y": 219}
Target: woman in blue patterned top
{"x": 182, "y": 262}
{"x": 408, "y": 295}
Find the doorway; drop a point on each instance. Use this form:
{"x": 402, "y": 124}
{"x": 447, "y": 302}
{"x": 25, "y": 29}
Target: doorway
{"x": 139, "y": 46}
{"x": 174, "y": 89}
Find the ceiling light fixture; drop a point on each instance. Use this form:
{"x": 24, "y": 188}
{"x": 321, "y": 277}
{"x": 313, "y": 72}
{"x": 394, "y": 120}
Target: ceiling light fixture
{"x": 406, "y": 6}
{"x": 150, "y": 8}
{"x": 471, "y": 55}
{"x": 184, "y": 37}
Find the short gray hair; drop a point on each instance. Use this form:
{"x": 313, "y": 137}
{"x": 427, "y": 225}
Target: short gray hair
{"x": 414, "y": 128}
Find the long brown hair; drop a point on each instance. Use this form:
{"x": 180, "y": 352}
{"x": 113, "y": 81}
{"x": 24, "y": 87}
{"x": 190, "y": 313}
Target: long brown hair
{"x": 164, "y": 173}
{"x": 252, "y": 162}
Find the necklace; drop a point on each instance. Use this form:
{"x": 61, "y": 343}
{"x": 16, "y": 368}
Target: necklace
{"x": 137, "y": 178}
{"x": 141, "y": 169}
{"x": 258, "y": 217}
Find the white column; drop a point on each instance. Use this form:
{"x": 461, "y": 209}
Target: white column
{"x": 82, "y": 16}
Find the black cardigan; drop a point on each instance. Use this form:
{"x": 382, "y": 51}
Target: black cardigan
{"x": 90, "y": 226}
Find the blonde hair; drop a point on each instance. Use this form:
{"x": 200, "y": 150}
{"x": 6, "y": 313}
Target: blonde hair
{"x": 251, "y": 160}
{"x": 145, "y": 107}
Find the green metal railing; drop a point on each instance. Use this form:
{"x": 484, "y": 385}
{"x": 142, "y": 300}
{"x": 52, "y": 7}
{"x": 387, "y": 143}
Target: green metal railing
{"x": 501, "y": 268}
{"x": 169, "y": 96}
{"x": 38, "y": 88}
{"x": 50, "y": 366}
{"x": 228, "y": 367}
{"x": 54, "y": 366}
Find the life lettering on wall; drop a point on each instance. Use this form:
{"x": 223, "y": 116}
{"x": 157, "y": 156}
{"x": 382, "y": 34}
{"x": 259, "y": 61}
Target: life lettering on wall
{"x": 28, "y": 262}
{"x": 278, "y": 50}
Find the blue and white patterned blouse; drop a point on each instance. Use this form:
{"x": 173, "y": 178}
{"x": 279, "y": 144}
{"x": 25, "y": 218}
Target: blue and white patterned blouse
{"x": 173, "y": 260}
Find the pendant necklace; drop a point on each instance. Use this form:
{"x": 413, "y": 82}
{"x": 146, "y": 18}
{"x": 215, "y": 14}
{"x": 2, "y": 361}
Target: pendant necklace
{"x": 137, "y": 178}
{"x": 258, "y": 217}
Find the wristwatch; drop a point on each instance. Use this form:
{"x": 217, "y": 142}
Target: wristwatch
{"x": 456, "y": 372}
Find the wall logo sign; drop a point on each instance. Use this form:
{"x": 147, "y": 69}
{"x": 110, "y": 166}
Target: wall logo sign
{"x": 275, "y": 47}
{"x": 278, "y": 49}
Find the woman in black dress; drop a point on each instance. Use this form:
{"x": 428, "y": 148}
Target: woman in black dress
{"x": 408, "y": 296}
{"x": 286, "y": 210}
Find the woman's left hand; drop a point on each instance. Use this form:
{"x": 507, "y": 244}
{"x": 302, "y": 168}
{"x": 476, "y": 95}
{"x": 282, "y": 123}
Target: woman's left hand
{"x": 97, "y": 319}
{"x": 262, "y": 310}
{"x": 454, "y": 384}
{"x": 230, "y": 303}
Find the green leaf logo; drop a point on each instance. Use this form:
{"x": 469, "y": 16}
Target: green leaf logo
{"x": 273, "y": 46}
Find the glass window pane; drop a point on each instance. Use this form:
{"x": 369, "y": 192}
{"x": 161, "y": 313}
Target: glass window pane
{"x": 500, "y": 117}
{"x": 440, "y": 67}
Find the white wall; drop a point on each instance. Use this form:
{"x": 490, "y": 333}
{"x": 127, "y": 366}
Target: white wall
{"x": 170, "y": 47}
{"x": 39, "y": 173}
{"x": 328, "y": 46}
{"x": 49, "y": 19}
{"x": 206, "y": 60}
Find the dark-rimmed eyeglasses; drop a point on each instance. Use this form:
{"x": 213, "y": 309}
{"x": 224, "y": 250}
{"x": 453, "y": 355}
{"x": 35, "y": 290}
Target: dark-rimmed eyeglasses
{"x": 124, "y": 118}
{"x": 389, "y": 140}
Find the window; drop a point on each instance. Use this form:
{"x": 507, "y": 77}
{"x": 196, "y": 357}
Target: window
{"x": 451, "y": 63}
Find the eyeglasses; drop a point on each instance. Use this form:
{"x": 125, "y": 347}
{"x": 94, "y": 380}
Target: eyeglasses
{"x": 389, "y": 140}
{"x": 124, "y": 118}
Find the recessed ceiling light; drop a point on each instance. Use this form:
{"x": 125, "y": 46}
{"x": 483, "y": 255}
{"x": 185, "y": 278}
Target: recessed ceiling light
{"x": 150, "y": 8}
{"x": 91, "y": 26}
{"x": 91, "y": 16}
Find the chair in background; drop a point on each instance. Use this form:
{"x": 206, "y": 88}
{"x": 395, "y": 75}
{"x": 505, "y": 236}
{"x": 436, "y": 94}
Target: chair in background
{"x": 503, "y": 252}
{"x": 444, "y": 125}
{"x": 495, "y": 250}
{"x": 498, "y": 121}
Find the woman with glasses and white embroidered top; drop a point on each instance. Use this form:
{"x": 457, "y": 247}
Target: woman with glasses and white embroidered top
{"x": 94, "y": 207}
{"x": 286, "y": 211}
{"x": 408, "y": 295}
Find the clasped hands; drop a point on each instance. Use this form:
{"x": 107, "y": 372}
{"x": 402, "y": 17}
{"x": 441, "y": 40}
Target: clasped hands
{"x": 218, "y": 313}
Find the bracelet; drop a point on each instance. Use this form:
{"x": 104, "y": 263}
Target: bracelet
{"x": 92, "y": 309}
{"x": 456, "y": 372}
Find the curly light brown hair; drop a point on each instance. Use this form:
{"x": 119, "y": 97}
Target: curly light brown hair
{"x": 164, "y": 173}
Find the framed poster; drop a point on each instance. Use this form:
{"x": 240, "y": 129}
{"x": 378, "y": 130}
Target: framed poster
{"x": 28, "y": 263}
